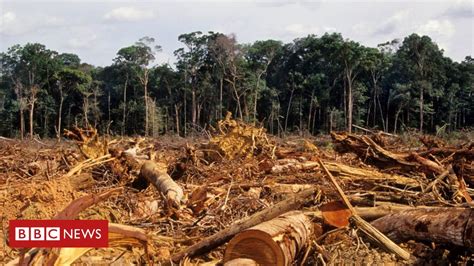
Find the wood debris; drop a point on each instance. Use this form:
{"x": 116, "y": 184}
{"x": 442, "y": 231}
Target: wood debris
{"x": 206, "y": 201}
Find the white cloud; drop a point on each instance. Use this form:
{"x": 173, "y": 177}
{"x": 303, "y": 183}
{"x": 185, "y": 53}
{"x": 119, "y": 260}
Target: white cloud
{"x": 300, "y": 29}
{"x": 392, "y": 23}
{"x": 129, "y": 14}
{"x": 86, "y": 41}
{"x": 10, "y": 24}
{"x": 7, "y": 20}
{"x": 437, "y": 27}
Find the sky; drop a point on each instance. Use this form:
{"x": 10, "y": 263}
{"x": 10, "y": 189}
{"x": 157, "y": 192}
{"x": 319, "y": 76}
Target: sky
{"x": 96, "y": 30}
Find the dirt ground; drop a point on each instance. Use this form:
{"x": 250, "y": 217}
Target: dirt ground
{"x": 222, "y": 184}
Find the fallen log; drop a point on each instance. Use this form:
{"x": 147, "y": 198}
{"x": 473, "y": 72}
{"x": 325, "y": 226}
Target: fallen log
{"x": 292, "y": 203}
{"x": 274, "y": 242}
{"x": 370, "y": 213}
{"x": 344, "y": 171}
{"x": 156, "y": 174}
{"x": 368, "y": 150}
{"x": 438, "y": 224}
{"x": 367, "y": 228}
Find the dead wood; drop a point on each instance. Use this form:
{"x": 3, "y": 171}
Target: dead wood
{"x": 82, "y": 181}
{"x": 156, "y": 174}
{"x": 80, "y": 204}
{"x": 274, "y": 242}
{"x": 234, "y": 139}
{"x": 344, "y": 171}
{"x": 368, "y": 150}
{"x": 369, "y": 230}
{"x": 292, "y": 203}
{"x": 88, "y": 140}
{"x": 369, "y": 213}
{"x": 438, "y": 224}
{"x": 241, "y": 262}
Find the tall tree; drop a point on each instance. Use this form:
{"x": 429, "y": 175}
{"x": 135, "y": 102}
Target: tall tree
{"x": 31, "y": 67}
{"x": 138, "y": 57}
{"x": 420, "y": 59}
{"x": 260, "y": 55}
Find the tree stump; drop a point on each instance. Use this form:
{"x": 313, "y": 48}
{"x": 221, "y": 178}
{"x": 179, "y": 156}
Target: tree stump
{"x": 274, "y": 242}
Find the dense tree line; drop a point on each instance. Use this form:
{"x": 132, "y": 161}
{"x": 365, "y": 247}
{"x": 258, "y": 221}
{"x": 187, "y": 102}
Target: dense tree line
{"x": 311, "y": 85}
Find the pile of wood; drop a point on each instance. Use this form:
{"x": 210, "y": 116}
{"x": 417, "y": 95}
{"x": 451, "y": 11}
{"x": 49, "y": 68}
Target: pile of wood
{"x": 363, "y": 199}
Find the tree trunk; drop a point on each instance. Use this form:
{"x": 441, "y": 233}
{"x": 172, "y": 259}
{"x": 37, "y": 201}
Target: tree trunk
{"x": 289, "y": 107}
{"x": 396, "y": 121}
{"x": 438, "y": 224}
{"x": 145, "y": 88}
{"x": 221, "y": 104}
{"x": 19, "y": 94}
{"x": 331, "y": 120}
{"x": 32, "y": 107}
{"x": 256, "y": 97}
{"x": 237, "y": 98}
{"x": 22, "y": 123}
{"x": 368, "y": 115}
{"x": 193, "y": 106}
{"x": 156, "y": 174}
{"x": 124, "y": 112}
{"x": 300, "y": 114}
{"x": 185, "y": 113}
{"x": 381, "y": 114}
{"x": 109, "y": 112}
{"x": 292, "y": 203}
{"x": 60, "y": 112}
{"x": 310, "y": 112}
{"x": 274, "y": 242}
{"x": 421, "y": 108}
{"x": 349, "y": 101}
{"x": 176, "y": 111}
{"x": 386, "y": 115}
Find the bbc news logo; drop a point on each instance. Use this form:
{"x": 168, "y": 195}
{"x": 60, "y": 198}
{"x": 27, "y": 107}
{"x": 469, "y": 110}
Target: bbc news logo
{"x": 58, "y": 233}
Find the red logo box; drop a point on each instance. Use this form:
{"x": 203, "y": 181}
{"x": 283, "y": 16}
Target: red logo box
{"x": 58, "y": 233}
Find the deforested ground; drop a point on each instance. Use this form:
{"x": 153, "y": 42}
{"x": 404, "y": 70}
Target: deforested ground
{"x": 211, "y": 198}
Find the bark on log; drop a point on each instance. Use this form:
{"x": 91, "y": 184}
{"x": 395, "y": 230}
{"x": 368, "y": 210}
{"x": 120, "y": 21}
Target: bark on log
{"x": 367, "y": 149}
{"x": 344, "y": 171}
{"x": 156, "y": 174}
{"x": 366, "y": 228}
{"x": 292, "y": 203}
{"x": 274, "y": 242}
{"x": 444, "y": 225}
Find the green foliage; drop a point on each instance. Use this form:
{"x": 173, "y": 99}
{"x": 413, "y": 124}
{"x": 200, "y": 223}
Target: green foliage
{"x": 313, "y": 84}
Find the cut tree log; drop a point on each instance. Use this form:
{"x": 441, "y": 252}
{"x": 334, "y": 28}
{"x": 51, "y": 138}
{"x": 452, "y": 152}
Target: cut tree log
{"x": 368, "y": 229}
{"x": 156, "y": 174}
{"x": 438, "y": 224}
{"x": 368, "y": 150}
{"x": 368, "y": 213}
{"x": 344, "y": 171}
{"x": 241, "y": 262}
{"x": 274, "y": 242}
{"x": 292, "y": 203}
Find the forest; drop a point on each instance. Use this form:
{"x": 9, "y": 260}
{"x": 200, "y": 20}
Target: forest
{"x": 241, "y": 154}
{"x": 312, "y": 85}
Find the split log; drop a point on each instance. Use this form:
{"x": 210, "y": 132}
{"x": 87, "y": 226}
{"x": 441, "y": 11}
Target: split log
{"x": 292, "y": 203}
{"x": 438, "y": 224}
{"x": 156, "y": 174}
{"x": 274, "y": 242}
